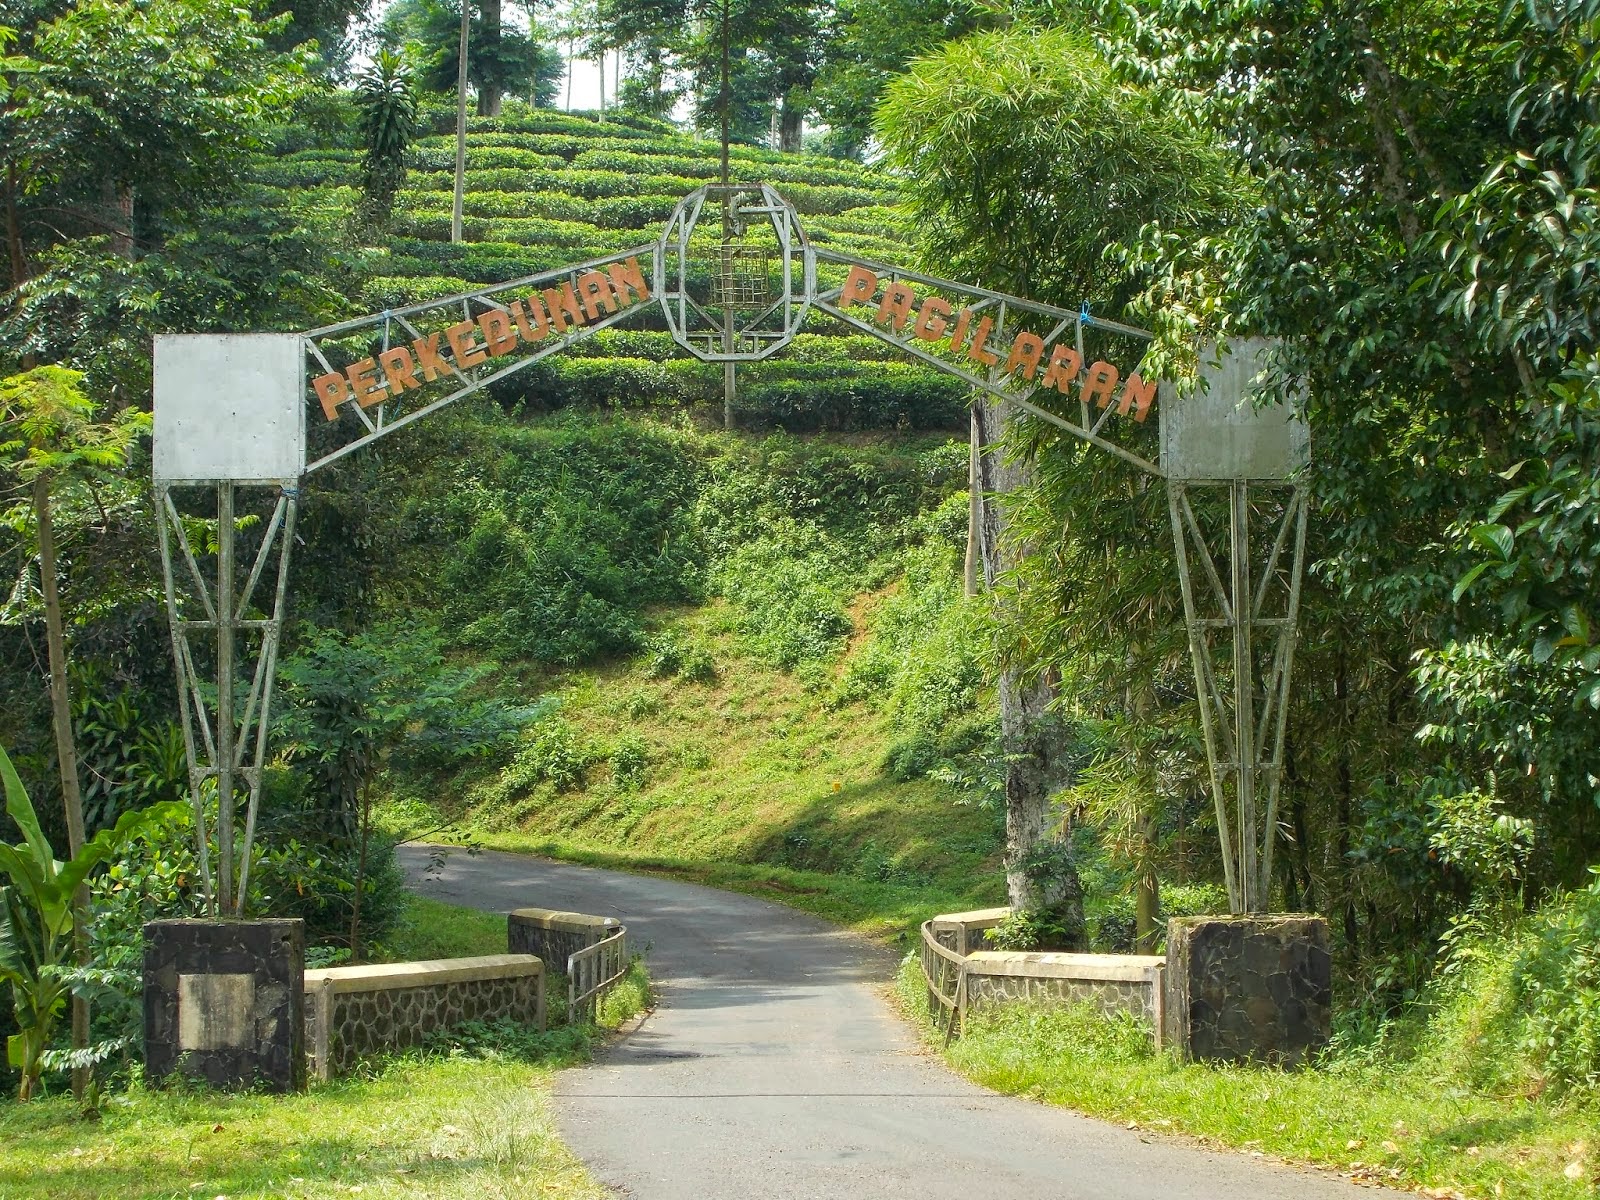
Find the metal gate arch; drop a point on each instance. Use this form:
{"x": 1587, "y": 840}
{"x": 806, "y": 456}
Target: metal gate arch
{"x": 735, "y": 278}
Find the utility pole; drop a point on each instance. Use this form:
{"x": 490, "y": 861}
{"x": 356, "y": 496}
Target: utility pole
{"x": 725, "y": 103}
{"x": 461, "y": 123}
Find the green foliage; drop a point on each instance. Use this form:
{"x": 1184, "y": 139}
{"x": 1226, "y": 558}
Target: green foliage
{"x": 128, "y": 760}
{"x": 37, "y": 905}
{"x": 354, "y": 704}
{"x": 1518, "y": 1007}
{"x": 1100, "y": 160}
{"x": 48, "y": 427}
{"x": 789, "y": 592}
{"x": 1025, "y": 930}
{"x": 388, "y": 121}
{"x": 166, "y": 96}
{"x": 630, "y": 761}
{"x": 551, "y": 753}
{"x": 501, "y": 60}
{"x": 925, "y": 661}
{"x": 1425, "y": 188}
{"x": 566, "y": 535}
{"x": 669, "y": 656}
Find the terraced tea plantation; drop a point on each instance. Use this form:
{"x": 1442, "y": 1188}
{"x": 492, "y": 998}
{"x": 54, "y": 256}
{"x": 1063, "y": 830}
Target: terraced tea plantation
{"x": 545, "y": 189}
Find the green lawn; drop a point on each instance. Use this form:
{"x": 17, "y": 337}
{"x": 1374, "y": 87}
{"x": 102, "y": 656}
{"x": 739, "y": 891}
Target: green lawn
{"x": 468, "y": 1120}
{"x": 1379, "y": 1121}
{"x": 413, "y": 1127}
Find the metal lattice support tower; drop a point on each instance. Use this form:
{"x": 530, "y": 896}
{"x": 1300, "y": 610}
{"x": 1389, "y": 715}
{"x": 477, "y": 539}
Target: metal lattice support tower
{"x": 1242, "y": 621}
{"x": 217, "y": 623}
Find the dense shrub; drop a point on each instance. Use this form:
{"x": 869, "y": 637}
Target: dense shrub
{"x": 1519, "y": 1010}
{"x": 876, "y": 220}
{"x": 669, "y": 656}
{"x": 551, "y": 553}
{"x": 396, "y": 291}
{"x": 789, "y": 591}
{"x": 485, "y": 176}
{"x": 633, "y": 212}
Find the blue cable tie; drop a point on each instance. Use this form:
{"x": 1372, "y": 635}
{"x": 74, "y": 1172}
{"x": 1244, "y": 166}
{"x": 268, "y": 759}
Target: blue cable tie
{"x": 1083, "y": 314}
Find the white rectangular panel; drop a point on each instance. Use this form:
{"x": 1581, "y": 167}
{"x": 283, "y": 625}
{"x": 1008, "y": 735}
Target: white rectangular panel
{"x": 1218, "y": 431}
{"x": 229, "y": 406}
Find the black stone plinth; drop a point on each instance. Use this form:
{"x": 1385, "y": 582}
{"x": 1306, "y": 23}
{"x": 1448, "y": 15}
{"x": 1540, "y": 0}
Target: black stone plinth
{"x": 224, "y": 1002}
{"x": 1255, "y": 988}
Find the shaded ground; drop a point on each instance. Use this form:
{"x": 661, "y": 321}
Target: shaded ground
{"x": 774, "y": 1068}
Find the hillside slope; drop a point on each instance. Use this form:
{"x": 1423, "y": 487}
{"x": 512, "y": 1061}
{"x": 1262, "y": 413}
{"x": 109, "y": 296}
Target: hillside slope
{"x": 731, "y": 624}
{"x": 756, "y": 649}
{"x": 545, "y": 189}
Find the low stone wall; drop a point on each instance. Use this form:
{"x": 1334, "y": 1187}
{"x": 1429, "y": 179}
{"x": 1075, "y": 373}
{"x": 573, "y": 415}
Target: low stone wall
{"x": 353, "y": 1011}
{"x": 1131, "y": 983}
{"x": 965, "y": 932}
{"x": 555, "y": 936}
{"x": 1229, "y": 989}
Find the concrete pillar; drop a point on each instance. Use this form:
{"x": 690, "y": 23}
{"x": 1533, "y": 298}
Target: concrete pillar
{"x": 224, "y": 1002}
{"x": 1252, "y": 988}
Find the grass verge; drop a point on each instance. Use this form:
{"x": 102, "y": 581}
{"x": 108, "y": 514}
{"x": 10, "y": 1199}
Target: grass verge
{"x": 467, "y": 1117}
{"x": 1375, "y": 1121}
{"x": 434, "y": 929}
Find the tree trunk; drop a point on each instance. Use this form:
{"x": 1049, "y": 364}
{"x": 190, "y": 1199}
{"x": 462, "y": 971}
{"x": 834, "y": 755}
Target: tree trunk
{"x": 66, "y": 755}
{"x": 489, "y": 93}
{"x": 361, "y": 873}
{"x": 1040, "y": 874}
{"x": 118, "y": 198}
{"x": 457, "y": 202}
{"x": 1147, "y": 892}
{"x": 19, "y": 262}
{"x": 974, "y": 508}
{"x": 791, "y": 125}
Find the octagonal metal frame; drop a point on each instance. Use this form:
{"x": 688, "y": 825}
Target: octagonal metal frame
{"x": 723, "y": 339}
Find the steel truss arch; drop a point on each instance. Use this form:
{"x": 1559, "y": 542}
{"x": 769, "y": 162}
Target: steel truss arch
{"x": 739, "y": 293}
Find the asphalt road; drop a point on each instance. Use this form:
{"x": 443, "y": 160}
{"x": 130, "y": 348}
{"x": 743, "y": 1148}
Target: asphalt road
{"x": 774, "y": 1069}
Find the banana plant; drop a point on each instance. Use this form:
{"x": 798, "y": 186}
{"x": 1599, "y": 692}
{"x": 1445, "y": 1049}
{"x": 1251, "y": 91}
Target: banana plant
{"x": 36, "y": 919}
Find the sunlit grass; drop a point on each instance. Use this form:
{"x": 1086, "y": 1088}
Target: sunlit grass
{"x": 415, "y": 1127}
{"x": 754, "y": 783}
{"x": 441, "y": 1124}
{"x": 433, "y": 929}
{"x": 1382, "y": 1122}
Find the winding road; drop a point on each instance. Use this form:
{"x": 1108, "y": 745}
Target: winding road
{"x": 774, "y": 1069}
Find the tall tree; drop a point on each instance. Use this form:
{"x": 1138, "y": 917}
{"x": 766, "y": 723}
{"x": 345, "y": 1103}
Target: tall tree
{"x": 873, "y": 42}
{"x": 774, "y": 50}
{"x": 357, "y": 703}
{"x": 388, "y": 121}
{"x": 1026, "y": 159}
{"x": 134, "y": 113}
{"x": 1423, "y": 246}
{"x": 47, "y": 435}
{"x": 649, "y": 33}
{"x": 500, "y": 61}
